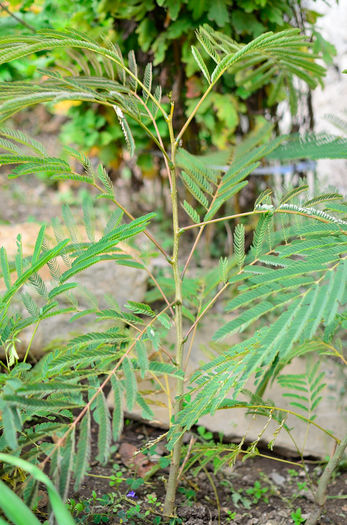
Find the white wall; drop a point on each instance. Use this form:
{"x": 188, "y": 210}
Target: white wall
{"x": 333, "y": 98}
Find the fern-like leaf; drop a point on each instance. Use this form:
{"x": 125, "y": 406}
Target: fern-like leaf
{"x": 142, "y": 357}
{"x": 66, "y": 465}
{"x": 117, "y": 419}
{"x": 104, "y": 432}
{"x": 193, "y": 214}
{"x": 200, "y": 61}
{"x": 239, "y": 245}
{"x": 147, "y": 81}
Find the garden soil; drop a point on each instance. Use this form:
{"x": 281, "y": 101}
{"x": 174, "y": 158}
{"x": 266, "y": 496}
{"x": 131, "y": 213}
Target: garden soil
{"x": 282, "y": 486}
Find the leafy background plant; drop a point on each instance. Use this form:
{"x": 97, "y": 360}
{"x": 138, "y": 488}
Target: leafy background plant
{"x": 163, "y": 32}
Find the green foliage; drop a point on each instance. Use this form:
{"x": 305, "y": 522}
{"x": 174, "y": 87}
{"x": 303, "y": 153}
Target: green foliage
{"x": 16, "y": 510}
{"x": 297, "y": 516}
{"x": 164, "y": 32}
{"x": 293, "y": 277}
{"x": 307, "y": 390}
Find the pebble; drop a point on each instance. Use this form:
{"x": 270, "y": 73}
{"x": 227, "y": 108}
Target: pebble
{"x": 277, "y": 478}
{"x": 283, "y": 513}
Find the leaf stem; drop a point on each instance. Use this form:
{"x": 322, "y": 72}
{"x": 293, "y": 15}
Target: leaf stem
{"x": 193, "y": 113}
{"x": 23, "y": 22}
{"x": 220, "y": 219}
{"x": 207, "y": 307}
{"x": 287, "y": 411}
{"x": 161, "y": 145}
{"x": 31, "y": 340}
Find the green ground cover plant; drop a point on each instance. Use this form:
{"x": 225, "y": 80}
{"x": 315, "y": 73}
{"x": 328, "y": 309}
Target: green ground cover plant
{"x": 291, "y": 274}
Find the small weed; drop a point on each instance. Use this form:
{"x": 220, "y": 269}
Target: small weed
{"x": 258, "y": 492}
{"x": 189, "y": 494}
{"x": 237, "y": 496}
{"x": 230, "y": 515}
{"x": 204, "y": 434}
{"x": 134, "y": 484}
{"x": 302, "y": 486}
{"x": 153, "y": 500}
{"x": 116, "y": 479}
{"x": 297, "y": 516}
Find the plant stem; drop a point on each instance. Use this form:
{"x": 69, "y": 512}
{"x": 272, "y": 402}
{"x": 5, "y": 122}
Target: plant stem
{"x": 131, "y": 217}
{"x": 23, "y": 22}
{"x": 176, "y": 454}
{"x": 31, "y": 340}
{"x": 321, "y": 494}
{"x": 254, "y": 212}
{"x": 220, "y": 219}
{"x": 207, "y": 307}
{"x": 193, "y": 113}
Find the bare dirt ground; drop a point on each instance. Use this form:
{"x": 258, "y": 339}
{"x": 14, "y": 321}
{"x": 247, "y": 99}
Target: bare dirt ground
{"x": 258, "y": 491}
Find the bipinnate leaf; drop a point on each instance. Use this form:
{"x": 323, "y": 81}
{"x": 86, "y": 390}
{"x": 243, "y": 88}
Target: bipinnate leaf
{"x": 194, "y": 189}
{"x": 223, "y": 269}
{"x": 260, "y": 233}
{"x": 293, "y": 193}
{"x": 133, "y": 68}
{"x": 129, "y": 139}
{"x": 147, "y": 412}
{"x": 38, "y": 244}
{"x": 105, "y": 180}
{"x": 140, "y": 308}
{"x": 324, "y": 197}
{"x": 83, "y": 451}
{"x": 147, "y": 81}
{"x": 5, "y": 269}
{"x": 263, "y": 197}
{"x": 9, "y": 424}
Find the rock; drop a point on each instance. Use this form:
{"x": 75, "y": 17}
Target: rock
{"x": 277, "y": 478}
{"x": 132, "y": 458}
{"x": 331, "y": 99}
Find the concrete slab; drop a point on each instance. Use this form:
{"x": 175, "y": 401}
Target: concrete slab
{"x": 235, "y": 424}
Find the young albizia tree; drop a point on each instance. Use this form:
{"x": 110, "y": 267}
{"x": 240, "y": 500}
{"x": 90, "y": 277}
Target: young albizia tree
{"x": 293, "y": 272}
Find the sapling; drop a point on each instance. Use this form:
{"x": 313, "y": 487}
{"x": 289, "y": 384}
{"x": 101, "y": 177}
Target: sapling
{"x": 292, "y": 271}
